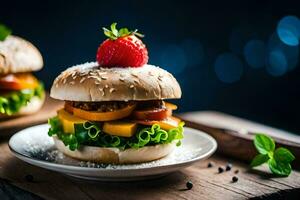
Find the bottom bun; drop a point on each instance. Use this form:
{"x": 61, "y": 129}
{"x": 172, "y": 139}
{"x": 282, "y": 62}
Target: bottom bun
{"x": 32, "y": 106}
{"x": 115, "y": 155}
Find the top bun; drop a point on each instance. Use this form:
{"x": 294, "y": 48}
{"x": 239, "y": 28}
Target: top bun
{"x": 18, "y": 55}
{"x": 89, "y": 82}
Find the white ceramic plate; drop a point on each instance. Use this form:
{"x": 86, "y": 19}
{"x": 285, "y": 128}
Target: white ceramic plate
{"x": 33, "y": 145}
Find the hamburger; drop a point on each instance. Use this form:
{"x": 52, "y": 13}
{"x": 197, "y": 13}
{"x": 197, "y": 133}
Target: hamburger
{"x": 21, "y": 93}
{"x": 115, "y": 109}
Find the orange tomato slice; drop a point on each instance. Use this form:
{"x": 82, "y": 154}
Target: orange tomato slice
{"x": 100, "y": 116}
{"x": 18, "y": 81}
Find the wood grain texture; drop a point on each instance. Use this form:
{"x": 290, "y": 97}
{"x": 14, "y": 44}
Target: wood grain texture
{"x": 208, "y": 183}
{"x": 237, "y": 144}
{"x": 10, "y": 126}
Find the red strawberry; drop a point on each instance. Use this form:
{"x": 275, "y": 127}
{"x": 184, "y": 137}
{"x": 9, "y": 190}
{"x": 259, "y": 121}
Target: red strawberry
{"x": 122, "y": 49}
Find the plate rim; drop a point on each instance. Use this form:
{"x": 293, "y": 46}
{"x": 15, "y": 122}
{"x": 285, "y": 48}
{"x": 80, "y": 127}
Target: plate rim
{"x": 71, "y": 167}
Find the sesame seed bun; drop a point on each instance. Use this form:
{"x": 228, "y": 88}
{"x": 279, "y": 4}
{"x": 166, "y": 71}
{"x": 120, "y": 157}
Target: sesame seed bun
{"x": 89, "y": 82}
{"x": 18, "y": 55}
{"x": 115, "y": 155}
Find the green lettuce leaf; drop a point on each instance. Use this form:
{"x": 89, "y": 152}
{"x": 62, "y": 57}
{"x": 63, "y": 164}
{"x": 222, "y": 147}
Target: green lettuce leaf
{"x": 90, "y": 134}
{"x": 12, "y": 102}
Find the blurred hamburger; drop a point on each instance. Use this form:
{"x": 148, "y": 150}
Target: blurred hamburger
{"x": 20, "y": 91}
{"x": 116, "y": 114}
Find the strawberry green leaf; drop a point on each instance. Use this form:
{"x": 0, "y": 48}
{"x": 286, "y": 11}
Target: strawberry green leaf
{"x": 114, "y": 30}
{"x": 114, "y": 33}
{"x": 135, "y": 32}
{"x": 123, "y": 31}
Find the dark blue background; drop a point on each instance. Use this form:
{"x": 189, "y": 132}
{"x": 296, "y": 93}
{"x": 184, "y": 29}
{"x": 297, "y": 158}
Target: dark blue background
{"x": 69, "y": 32}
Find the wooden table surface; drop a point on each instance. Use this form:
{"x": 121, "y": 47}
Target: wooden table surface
{"x": 208, "y": 183}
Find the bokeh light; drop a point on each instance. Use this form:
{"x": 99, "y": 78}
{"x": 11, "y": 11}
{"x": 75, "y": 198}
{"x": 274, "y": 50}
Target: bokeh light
{"x": 291, "y": 53}
{"x": 277, "y": 63}
{"x": 173, "y": 59}
{"x": 288, "y": 30}
{"x": 255, "y": 52}
{"x": 228, "y": 68}
{"x": 194, "y": 52}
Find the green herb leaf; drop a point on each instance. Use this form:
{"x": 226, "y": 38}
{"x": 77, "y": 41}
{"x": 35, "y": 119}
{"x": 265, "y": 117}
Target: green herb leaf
{"x": 264, "y": 144}
{"x": 259, "y": 159}
{"x": 4, "y": 32}
{"x": 283, "y": 155}
{"x": 279, "y": 168}
{"x": 278, "y": 160}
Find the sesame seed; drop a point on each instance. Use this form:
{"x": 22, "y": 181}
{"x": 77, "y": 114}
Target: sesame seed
{"x": 72, "y": 83}
{"x": 102, "y": 91}
{"x": 150, "y": 73}
{"x": 112, "y": 90}
{"x": 122, "y": 79}
{"x": 136, "y": 81}
{"x": 83, "y": 79}
{"x": 134, "y": 74}
{"x": 103, "y": 78}
{"x": 131, "y": 86}
{"x": 73, "y": 74}
{"x": 64, "y": 81}
{"x": 106, "y": 86}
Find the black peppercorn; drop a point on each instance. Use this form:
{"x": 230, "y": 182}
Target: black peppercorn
{"x": 189, "y": 185}
{"x": 235, "y": 179}
{"x": 228, "y": 166}
{"x": 29, "y": 178}
{"x": 220, "y": 169}
{"x": 210, "y": 164}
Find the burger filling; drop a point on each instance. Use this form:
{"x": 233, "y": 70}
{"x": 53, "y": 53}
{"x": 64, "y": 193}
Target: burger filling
{"x": 132, "y": 124}
{"x": 16, "y": 91}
